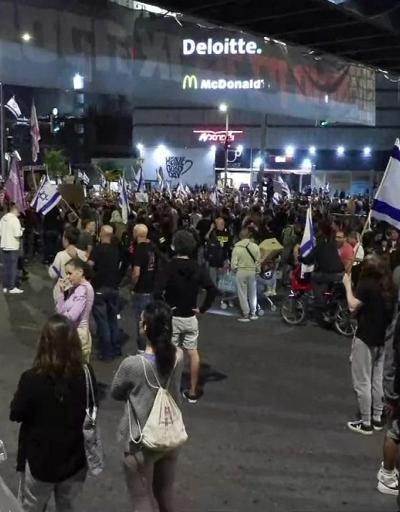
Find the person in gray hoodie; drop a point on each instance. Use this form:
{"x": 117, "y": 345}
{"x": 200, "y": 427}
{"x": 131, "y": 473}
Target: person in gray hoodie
{"x": 246, "y": 262}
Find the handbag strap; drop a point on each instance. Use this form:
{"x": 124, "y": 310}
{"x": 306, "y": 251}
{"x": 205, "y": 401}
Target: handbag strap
{"x": 90, "y": 394}
{"x": 251, "y": 254}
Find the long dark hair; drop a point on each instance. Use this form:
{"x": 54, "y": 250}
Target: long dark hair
{"x": 157, "y": 319}
{"x": 378, "y": 268}
{"x": 59, "y": 351}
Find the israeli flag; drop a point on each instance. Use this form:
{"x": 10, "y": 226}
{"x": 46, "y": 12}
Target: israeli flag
{"x": 386, "y": 205}
{"x": 276, "y": 198}
{"x": 214, "y": 197}
{"x": 160, "y": 178}
{"x": 123, "y": 200}
{"x": 308, "y": 242}
{"x": 13, "y": 107}
{"x": 46, "y": 197}
{"x": 180, "y": 191}
{"x": 138, "y": 181}
{"x": 168, "y": 190}
{"x": 281, "y": 187}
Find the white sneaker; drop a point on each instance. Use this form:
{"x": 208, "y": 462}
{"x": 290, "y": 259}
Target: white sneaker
{"x": 244, "y": 319}
{"x": 16, "y": 291}
{"x": 388, "y": 482}
{"x": 253, "y": 317}
{"x": 5, "y": 290}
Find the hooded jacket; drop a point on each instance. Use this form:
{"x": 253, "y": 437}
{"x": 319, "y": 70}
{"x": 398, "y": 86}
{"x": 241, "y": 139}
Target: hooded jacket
{"x": 246, "y": 256}
{"x": 181, "y": 283}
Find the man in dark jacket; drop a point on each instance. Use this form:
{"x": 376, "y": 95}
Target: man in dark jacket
{"x": 218, "y": 249}
{"x": 105, "y": 259}
{"x": 180, "y": 284}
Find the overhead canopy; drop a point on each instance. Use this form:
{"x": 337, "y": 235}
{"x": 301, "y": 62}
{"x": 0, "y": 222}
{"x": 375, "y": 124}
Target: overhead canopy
{"x": 365, "y": 31}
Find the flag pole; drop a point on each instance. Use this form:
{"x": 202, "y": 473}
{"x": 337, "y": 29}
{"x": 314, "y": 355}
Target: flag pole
{"x": 69, "y": 206}
{"x": 2, "y": 126}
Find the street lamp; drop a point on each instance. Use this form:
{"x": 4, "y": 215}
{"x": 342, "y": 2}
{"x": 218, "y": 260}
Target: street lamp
{"x": 225, "y": 110}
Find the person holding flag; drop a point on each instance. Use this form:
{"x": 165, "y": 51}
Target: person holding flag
{"x": 373, "y": 303}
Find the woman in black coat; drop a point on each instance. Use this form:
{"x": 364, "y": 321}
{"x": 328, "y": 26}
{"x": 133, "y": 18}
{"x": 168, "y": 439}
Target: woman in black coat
{"x": 50, "y": 404}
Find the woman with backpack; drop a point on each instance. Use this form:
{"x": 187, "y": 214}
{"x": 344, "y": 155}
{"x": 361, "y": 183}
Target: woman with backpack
{"x": 150, "y": 472}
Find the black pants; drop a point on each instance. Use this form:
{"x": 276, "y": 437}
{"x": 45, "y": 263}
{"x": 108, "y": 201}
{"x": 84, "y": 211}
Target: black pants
{"x": 51, "y": 244}
{"x": 322, "y": 281}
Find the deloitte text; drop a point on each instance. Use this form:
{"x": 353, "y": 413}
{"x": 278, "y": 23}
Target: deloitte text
{"x": 226, "y": 47}
{"x": 192, "y": 82}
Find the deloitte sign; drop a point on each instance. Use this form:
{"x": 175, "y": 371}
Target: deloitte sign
{"x": 229, "y": 46}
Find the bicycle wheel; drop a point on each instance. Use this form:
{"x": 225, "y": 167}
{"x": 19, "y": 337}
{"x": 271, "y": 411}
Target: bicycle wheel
{"x": 344, "y": 323}
{"x": 293, "y": 311}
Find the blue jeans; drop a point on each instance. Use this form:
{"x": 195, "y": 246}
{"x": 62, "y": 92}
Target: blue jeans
{"x": 140, "y": 301}
{"x": 10, "y": 268}
{"x": 105, "y": 310}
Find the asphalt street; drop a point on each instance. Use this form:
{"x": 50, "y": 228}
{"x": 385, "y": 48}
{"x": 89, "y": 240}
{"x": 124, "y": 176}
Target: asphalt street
{"x": 268, "y": 435}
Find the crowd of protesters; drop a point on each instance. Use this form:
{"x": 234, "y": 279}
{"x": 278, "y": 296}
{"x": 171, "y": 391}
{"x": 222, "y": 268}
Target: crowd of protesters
{"x": 168, "y": 253}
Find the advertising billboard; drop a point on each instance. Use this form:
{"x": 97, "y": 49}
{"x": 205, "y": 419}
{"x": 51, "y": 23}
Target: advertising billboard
{"x": 156, "y": 61}
{"x": 210, "y": 65}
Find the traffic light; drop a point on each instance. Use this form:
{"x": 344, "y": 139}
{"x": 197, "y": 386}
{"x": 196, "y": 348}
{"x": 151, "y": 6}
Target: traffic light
{"x": 55, "y": 124}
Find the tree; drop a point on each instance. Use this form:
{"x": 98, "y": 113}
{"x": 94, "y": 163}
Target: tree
{"x": 56, "y": 163}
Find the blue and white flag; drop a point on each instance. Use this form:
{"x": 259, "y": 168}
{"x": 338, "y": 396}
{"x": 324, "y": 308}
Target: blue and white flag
{"x": 160, "y": 178}
{"x": 308, "y": 242}
{"x": 168, "y": 190}
{"x": 46, "y": 197}
{"x": 138, "y": 182}
{"x": 276, "y": 198}
{"x": 123, "y": 200}
{"x": 180, "y": 191}
{"x": 13, "y": 107}
{"x": 386, "y": 205}
{"x": 214, "y": 197}
{"x": 82, "y": 176}
{"x": 281, "y": 187}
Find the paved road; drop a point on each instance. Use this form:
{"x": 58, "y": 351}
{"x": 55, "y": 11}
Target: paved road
{"x": 269, "y": 434}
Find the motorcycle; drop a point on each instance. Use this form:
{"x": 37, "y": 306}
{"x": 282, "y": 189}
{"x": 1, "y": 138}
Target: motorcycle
{"x": 300, "y": 305}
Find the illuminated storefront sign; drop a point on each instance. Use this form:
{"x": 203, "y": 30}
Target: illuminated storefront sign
{"x": 219, "y": 136}
{"x": 193, "y": 82}
{"x": 228, "y": 46}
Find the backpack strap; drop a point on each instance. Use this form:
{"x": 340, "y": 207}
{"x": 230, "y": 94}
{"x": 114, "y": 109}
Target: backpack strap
{"x": 155, "y": 375}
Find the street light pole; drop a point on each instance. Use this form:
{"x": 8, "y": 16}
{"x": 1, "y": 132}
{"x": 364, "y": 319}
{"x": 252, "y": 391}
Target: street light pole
{"x": 226, "y": 148}
{"x": 224, "y": 108}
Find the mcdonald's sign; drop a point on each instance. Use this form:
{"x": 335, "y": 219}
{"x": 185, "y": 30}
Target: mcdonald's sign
{"x": 190, "y": 82}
